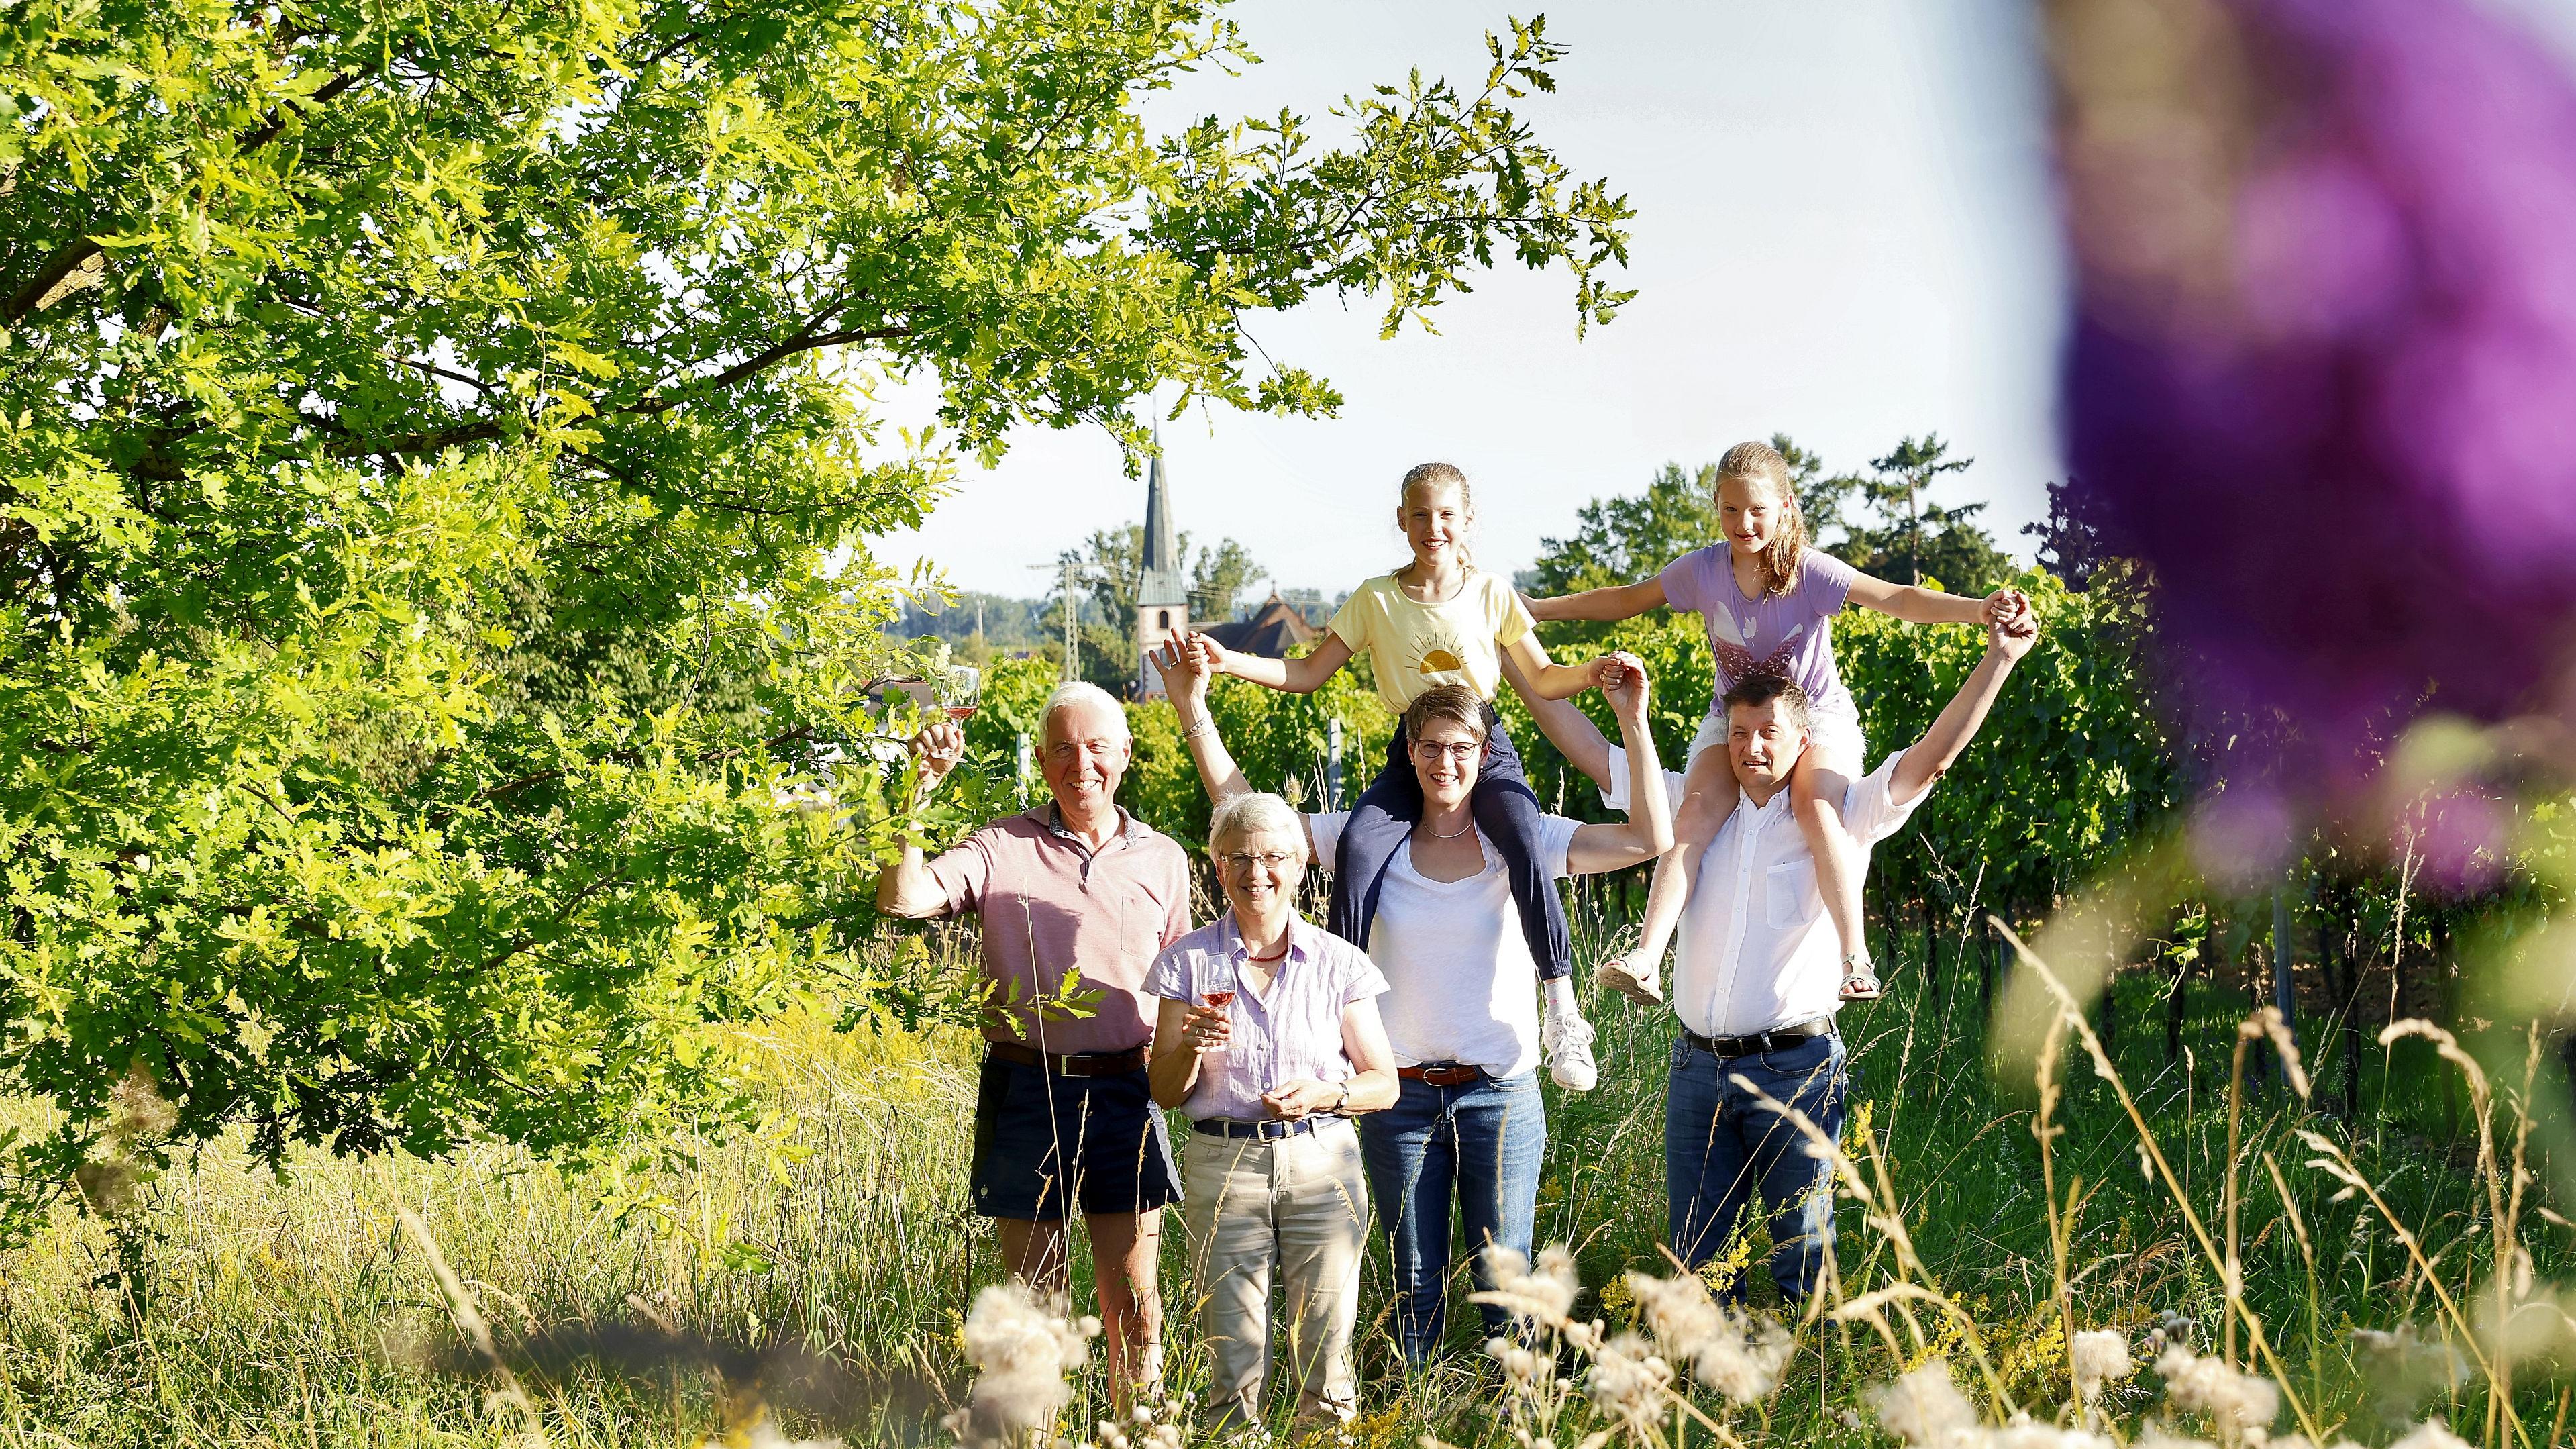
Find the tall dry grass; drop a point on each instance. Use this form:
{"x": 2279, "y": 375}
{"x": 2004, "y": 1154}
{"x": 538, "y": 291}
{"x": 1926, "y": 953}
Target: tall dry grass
{"x": 2110, "y": 1245}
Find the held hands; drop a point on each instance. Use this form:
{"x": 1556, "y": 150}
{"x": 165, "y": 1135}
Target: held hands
{"x": 1621, "y": 677}
{"x": 1301, "y": 1098}
{"x": 1207, "y": 1029}
{"x": 940, "y": 746}
{"x": 1185, "y": 665}
{"x": 2005, "y": 606}
{"x": 2012, "y": 640}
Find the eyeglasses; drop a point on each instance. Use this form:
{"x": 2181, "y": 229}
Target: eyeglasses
{"x": 1267, "y": 860}
{"x": 1460, "y": 753}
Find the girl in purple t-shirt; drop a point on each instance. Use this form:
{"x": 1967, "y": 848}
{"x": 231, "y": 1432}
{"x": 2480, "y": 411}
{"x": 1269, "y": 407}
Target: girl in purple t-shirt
{"x": 1768, "y": 602}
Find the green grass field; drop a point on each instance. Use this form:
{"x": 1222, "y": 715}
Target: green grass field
{"x": 815, "y": 1283}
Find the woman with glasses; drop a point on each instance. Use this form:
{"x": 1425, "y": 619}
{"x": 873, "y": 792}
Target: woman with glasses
{"x": 1467, "y": 1129}
{"x": 1268, "y": 1037}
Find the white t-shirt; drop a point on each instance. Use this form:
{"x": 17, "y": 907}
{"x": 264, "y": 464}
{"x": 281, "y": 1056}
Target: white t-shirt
{"x": 1461, "y": 986}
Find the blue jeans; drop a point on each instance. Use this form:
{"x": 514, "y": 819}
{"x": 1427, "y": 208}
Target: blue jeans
{"x": 1482, "y": 1144}
{"x": 1721, "y": 1145}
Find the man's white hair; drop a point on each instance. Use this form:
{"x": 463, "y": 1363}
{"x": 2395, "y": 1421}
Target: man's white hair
{"x": 1254, "y": 812}
{"x": 1081, "y": 692}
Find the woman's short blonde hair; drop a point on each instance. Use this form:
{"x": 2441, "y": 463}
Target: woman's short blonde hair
{"x": 1255, "y": 812}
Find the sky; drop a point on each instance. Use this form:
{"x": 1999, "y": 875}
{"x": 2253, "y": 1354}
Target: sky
{"x": 1844, "y": 232}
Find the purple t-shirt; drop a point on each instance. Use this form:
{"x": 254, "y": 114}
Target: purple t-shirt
{"x": 1789, "y": 634}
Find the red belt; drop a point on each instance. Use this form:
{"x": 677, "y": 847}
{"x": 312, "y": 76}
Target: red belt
{"x": 1072, "y": 1064}
{"x": 1442, "y": 1074}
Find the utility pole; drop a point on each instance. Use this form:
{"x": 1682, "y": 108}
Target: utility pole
{"x": 1072, "y": 631}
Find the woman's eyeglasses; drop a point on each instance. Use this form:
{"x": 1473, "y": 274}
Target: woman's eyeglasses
{"x": 1459, "y": 753}
{"x": 1267, "y": 860}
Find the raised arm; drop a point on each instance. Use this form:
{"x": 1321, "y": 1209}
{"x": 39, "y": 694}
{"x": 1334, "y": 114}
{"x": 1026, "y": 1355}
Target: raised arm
{"x": 1296, "y": 676}
{"x": 1648, "y": 830}
{"x": 1568, "y": 728}
{"x": 1931, "y": 756}
{"x": 1185, "y": 668}
{"x": 906, "y": 887}
{"x": 1600, "y": 606}
{"x": 1917, "y": 605}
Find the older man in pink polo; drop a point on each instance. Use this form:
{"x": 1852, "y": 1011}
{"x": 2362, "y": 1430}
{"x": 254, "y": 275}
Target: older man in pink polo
{"x": 1063, "y": 1113}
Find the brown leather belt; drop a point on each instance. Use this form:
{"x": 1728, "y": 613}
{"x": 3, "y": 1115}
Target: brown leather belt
{"x": 1071, "y": 1064}
{"x": 1761, "y": 1041}
{"x": 1442, "y": 1074}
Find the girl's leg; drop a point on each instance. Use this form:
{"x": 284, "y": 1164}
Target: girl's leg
{"x": 1816, "y": 786}
{"x": 1507, "y": 811}
{"x": 1380, "y": 820}
{"x": 1709, "y": 793}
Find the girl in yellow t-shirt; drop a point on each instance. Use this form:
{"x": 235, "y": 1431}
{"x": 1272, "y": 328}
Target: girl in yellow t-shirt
{"x": 1441, "y": 620}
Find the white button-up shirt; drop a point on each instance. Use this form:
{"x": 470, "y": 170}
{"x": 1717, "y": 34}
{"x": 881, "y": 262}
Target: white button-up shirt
{"x": 1755, "y": 951}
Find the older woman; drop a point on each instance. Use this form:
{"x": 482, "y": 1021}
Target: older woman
{"x": 1468, "y": 1129}
{"x": 1268, "y": 1037}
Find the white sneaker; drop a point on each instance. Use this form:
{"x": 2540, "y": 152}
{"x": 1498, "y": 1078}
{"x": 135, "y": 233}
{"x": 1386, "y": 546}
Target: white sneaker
{"x": 1636, "y": 976}
{"x": 1567, "y": 1039}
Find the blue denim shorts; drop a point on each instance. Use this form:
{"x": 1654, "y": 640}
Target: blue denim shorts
{"x": 1041, "y": 1139}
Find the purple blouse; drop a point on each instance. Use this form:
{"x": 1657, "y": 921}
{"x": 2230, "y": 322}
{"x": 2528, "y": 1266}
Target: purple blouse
{"x": 1293, "y": 1030}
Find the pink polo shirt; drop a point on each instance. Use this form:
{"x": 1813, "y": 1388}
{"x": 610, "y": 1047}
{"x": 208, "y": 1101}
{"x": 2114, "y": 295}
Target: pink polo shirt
{"x": 1047, "y": 901}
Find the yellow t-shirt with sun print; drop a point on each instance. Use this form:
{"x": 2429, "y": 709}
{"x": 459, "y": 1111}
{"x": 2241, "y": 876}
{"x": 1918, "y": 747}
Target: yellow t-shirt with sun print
{"x": 1412, "y": 647}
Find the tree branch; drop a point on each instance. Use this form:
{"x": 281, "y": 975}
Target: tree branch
{"x": 72, "y": 254}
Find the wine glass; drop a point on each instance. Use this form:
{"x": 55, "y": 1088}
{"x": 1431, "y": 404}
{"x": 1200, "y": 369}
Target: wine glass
{"x": 961, "y": 690}
{"x": 1219, "y": 992}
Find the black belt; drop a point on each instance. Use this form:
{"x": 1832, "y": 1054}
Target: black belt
{"x": 1267, "y": 1131}
{"x": 1443, "y": 1074}
{"x": 1761, "y": 1041}
{"x": 1072, "y": 1064}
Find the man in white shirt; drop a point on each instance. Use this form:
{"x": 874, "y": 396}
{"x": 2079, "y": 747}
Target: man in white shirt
{"x": 1757, "y": 977}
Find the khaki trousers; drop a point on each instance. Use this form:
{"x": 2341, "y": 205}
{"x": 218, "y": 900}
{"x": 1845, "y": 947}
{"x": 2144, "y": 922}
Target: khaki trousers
{"x": 1296, "y": 1207}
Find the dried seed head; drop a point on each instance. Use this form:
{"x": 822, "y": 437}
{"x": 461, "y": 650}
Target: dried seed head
{"x": 1541, "y": 1295}
{"x": 1923, "y": 1408}
{"x": 2099, "y": 1357}
{"x": 2239, "y": 1401}
{"x": 1733, "y": 1353}
{"x": 136, "y": 1110}
{"x": 1628, "y": 1382}
{"x": 1021, "y": 1350}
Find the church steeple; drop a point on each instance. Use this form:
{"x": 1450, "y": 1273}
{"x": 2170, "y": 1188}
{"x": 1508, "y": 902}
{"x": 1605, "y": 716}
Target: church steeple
{"x": 1161, "y": 554}
{"x": 1162, "y": 584}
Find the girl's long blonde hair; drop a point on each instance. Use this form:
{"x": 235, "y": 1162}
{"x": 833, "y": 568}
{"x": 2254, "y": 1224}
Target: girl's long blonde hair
{"x": 1436, "y": 475}
{"x": 1760, "y": 463}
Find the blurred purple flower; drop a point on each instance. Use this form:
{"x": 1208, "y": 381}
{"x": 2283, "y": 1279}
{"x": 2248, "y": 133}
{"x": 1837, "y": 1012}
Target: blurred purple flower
{"x": 2461, "y": 839}
{"x": 2323, "y": 367}
{"x": 2243, "y": 836}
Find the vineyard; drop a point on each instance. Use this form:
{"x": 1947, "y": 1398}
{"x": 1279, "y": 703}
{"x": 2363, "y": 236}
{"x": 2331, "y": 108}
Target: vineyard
{"x": 447, "y": 760}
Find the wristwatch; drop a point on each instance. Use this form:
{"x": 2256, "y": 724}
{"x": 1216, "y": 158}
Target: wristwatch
{"x": 1344, "y": 1101}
